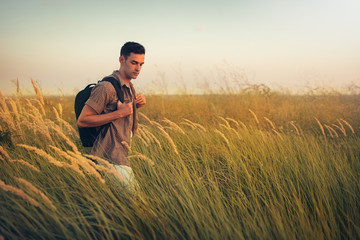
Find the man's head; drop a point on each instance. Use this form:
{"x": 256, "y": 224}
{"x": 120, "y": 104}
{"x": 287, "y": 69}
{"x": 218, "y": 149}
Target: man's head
{"x": 131, "y": 47}
{"x": 132, "y": 56}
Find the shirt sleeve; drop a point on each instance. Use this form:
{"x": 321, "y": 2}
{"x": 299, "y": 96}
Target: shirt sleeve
{"x": 99, "y": 98}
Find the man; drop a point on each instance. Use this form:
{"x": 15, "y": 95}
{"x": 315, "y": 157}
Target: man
{"x": 104, "y": 107}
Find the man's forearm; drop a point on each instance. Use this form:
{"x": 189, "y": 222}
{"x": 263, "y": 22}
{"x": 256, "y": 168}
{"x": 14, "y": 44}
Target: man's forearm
{"x": 98, "y": 119}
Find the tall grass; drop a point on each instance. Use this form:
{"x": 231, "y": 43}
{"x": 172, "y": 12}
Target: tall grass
{"x": 208, "y": 167}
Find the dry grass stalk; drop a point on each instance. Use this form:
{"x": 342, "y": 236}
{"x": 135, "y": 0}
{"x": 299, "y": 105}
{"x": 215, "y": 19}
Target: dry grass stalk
{"x": 126, "y": 145}
{"x": 195, "y": 125}
{"x": 148, "y": 133}
{"x": 42, "y": 154}
{"x": 110, "y": 168}
{"x": 331, "y": 131}
{"x": 321, "y": 127}
{"x": 223, "y": 136}
{"x": 87, "y": 165}
{"x": 236, "y": 132}
{"x": 19, "y": 192}
{"x": 74, "y": 162}
{"x": 111, "y": 171}
{"x": 270, "y": 122}
{"x": 142, "y": 139}
{"x": 56, "y": 113}
{"x": 3, "y": 152}
{"x": 38, "y": 92}
{"x": 17, "y": 86}
{"x": 9, "y": 120}
{"x": 145, "y": 117}
{"x": 263, "y": 136}
{"x": 277, "y": 133}
{"x": 69, "y": 127}
{"x": 254, "y": 115}
{"x": 99, "y": 159}
{"x": 143, "y": 135}
{"x": 60, "y": 109}
{"x": 44, "y": 131}
{"x": 233, "y": 121}
{"x": 174, "y": 125}
{"x": 224, "y": 126}
{"x": 67, "y": 140}
{"x": 342, "y": 126}
{"x": 143, "y": 157}
{"x": 198, "y": 125}
{"x": 243, "y": 125}
{"x": 3, "y": 103}
{"x": 154, "y": 123}
{"x": 14, "y": 108}
{"x": 35, "y": 111}
{"x": 296, "y": 129}
{"x": 167, "y": 136}
{"x": 41, "y": 107}
{"x": 19, "y": 105}
{"x": 26, "y": 164}
{"x": 225, "y": 121}
{"x": 28, "y": 125}
{"x": 348, "y": 124}
{"x": 189, "y": 124}
{"x": 36, "y": 191}
{"x": 341, "y": 129}
{"x": 35, "y": 118}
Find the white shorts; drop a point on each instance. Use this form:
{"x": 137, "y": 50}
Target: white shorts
{"x": 127, "y": 173}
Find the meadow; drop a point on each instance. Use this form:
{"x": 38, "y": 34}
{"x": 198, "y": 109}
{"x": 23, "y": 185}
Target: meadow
{"x": 247, "y": 165}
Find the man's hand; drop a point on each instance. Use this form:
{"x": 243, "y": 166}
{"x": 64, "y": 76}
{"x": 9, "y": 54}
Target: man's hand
{"x": 125, "y": 108}
{"x": 140, "y": 101}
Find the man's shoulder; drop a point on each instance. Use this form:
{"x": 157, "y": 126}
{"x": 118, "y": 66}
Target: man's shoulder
{"x": 104, "y": 86}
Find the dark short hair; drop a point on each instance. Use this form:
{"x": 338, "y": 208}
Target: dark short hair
{"x": 131, "y": 47}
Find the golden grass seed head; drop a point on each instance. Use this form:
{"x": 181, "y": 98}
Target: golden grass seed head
{"x": 4, "y": 153}
{"x": 348, "y": 124}
{"x": 223, "y": 136}
{"x": 167, "y": 136}
{"x": 26, "y": 164}
{"x": 143, "y": 157}
{"x": 254, "y": 115}
{"x": 67, "y": 140}
{"x": 270, "y": 122}
{"x": 19, "y": 192}
{"x": 42, "y": 154}
{"x": 35, "y": 190}
{"x": 294, "y": 126}
{"x": 321, "y": 127}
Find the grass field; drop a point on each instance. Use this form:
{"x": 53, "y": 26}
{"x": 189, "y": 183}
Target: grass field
{"x": 231, "y": 166}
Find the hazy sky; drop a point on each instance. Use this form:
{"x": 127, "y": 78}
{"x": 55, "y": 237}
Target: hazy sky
{"x": 66, "y": 44}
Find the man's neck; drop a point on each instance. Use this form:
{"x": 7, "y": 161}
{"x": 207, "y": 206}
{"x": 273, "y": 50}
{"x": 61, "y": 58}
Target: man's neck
{"x": 124, "y": 78}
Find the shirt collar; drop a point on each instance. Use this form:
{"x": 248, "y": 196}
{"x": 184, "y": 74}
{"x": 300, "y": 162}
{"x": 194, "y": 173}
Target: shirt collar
{"x": 116, "y": 74}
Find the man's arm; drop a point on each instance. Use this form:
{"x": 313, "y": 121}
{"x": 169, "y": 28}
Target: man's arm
{"x": 90, "y": 118}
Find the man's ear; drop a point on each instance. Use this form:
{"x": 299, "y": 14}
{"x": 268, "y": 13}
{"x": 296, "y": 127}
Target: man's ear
{"x": 121, "y": 59}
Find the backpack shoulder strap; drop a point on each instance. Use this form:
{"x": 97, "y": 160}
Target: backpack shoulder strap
{"x": 132, "y": 90}
{"x": 117, "y": 87}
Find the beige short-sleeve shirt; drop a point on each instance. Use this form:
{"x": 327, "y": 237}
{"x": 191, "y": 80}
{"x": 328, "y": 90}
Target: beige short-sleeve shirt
{"x": 103, "y": 99}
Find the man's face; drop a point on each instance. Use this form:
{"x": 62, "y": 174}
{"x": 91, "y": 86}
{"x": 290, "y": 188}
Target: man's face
{"x": 132, "y": 65}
